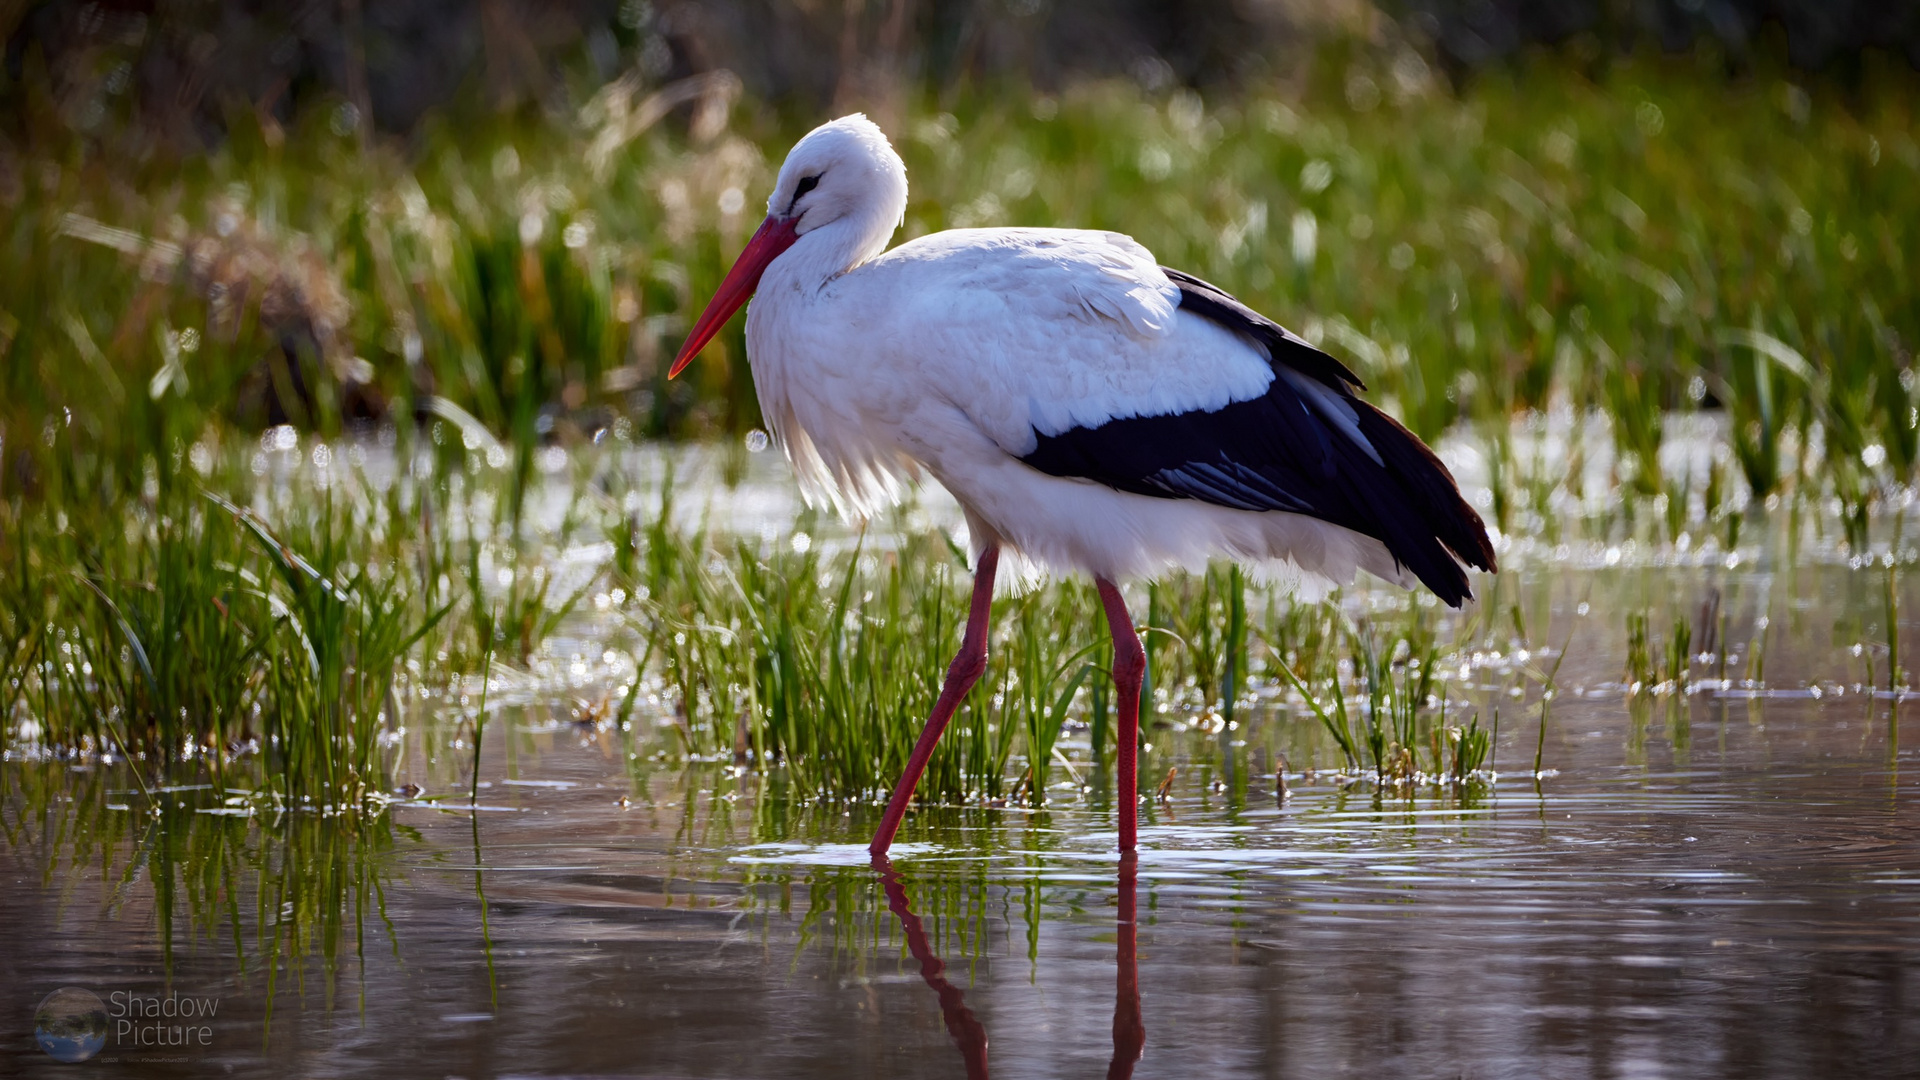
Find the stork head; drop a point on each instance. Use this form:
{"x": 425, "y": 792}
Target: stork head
{"x": 843, "y": 169}
{"x": 843, "y": 182}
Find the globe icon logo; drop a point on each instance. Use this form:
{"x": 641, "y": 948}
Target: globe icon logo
{"x": 71, "y": 1024}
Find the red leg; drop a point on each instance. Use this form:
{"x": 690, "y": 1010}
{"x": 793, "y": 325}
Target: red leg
{"x": 1129, "y": 668}
{"x": 961, "y": 675}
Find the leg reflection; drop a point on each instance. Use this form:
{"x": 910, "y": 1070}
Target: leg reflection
{"x": 1129, "y": 1034}
{"x": 967, "y": 1032}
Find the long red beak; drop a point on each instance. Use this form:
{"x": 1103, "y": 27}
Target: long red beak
{"x": 774, "y": 236}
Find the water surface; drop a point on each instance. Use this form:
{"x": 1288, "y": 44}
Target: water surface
{"x": 1722, "y": 883}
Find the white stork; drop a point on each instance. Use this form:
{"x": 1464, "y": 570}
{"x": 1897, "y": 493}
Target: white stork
{"x": 1091, "y": 411}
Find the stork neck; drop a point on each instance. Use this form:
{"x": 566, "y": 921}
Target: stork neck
{"x": 837, "y": 247}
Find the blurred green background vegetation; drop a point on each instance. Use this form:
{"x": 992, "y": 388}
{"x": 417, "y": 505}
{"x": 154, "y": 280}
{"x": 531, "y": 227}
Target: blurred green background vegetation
{"x": 1581, "y": 224}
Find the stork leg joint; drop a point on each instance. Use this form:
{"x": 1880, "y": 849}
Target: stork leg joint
{"x": 968, "y": 665}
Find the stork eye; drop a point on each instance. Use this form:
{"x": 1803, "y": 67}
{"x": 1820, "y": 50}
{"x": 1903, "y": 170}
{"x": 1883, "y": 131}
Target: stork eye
{"x": 806, "y": 184}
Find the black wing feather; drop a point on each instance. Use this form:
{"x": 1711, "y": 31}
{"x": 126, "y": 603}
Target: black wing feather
{"x": 1274, "y": 452}
{"x": 1212, "y": 302}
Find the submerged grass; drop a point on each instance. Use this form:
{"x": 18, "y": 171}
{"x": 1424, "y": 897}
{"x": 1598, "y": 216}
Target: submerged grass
{"x": 818, "y": 662}
{"x": 333, "y": 603}
{"x": 282, "y": 892}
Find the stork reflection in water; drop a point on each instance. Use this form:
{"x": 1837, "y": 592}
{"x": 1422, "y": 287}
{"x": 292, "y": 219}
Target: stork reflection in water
{"x": 970, "y": 1036}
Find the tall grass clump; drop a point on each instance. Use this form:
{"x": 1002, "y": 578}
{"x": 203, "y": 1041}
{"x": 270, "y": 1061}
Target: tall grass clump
{"x": 1382, "y": 692}
{"x": 817, "y": 661}
{"x": 823, "y": 663}
{"x": 177, "y": 628}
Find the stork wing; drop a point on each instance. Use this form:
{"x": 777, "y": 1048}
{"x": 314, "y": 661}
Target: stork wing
{"x": 1079, "y": 356}
{"x": 1305, "y": 445}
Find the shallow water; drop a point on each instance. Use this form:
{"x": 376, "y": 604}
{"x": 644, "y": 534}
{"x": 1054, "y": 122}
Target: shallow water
{"x": 1722, "y": 883}
{"x": 1748, "y": 905}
